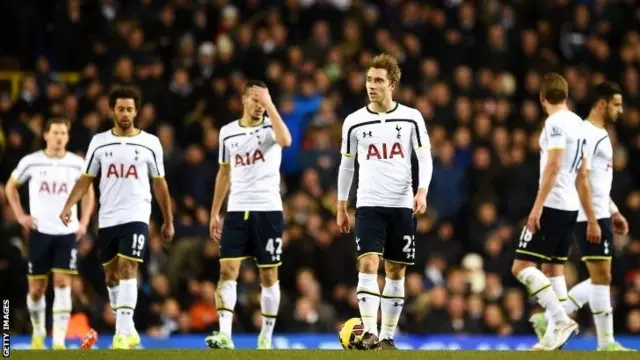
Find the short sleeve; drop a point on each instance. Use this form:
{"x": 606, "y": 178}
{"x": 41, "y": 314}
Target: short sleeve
{"x": 223, "y": 152}
{"x": 92, "y": 162}
{"x": 156, "y": 163}
{"x": 555, "y": 133}
{"x": 21, "y": 173}
{"x": 420, "y": 136}
{"x": 349, "y": 140}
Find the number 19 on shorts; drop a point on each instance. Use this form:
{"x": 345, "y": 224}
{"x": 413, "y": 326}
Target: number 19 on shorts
{"x": 137, "y": 245}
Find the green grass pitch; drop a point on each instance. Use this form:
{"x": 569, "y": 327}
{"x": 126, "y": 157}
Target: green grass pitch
{"x": 314, "y": 355}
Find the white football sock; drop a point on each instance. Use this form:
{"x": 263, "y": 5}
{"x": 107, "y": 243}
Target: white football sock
{"x": 391, "y": 302}
{"x": 559, "y": 286}
{"x": 127, "y": 299}
{"x": 600, "y": 303}
{"x": 226, "y": 298}
{"x": 61, "y": 313}
{"x": 578, "y": 296}
{"x": 37, "y": 312}
{"x": 269, "y": 305}
{"x": 368, "y": 294}
{"x": 539, "y": 286}
{"x": 113, "y": 297}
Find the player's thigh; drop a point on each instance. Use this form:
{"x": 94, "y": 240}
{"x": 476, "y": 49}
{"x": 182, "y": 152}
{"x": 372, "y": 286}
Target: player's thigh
{"x": 107, "y": 245}
{"x": 132, "y": 242}
{"x": 400, "y": 247}
{"x": 65, "y": 254}
{"x": 564, "y": 223}
{"x": 235, "y": 239}
{"x": 590, "y": 251}
{"x": 266, "y": 237}
{"x": 370, "y": 230}
{"x": 39, "y": 256}
{"x": 540, "y": 246}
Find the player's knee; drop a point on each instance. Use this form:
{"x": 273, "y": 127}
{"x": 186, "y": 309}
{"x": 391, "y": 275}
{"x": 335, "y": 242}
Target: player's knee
{"x": 394, "y": 271}
{"x": 600, "y": 275}
{"x": 61, "y": 280}
{"x": 127, "y": 269}
{"x": 37, "y": 289}
{"x": 553, "y": 270}
{"x": 229, "y": 270}
{"x": 518, "y": 266}
{"x": 268, "y": 276}
{"x": 369, "y": 264}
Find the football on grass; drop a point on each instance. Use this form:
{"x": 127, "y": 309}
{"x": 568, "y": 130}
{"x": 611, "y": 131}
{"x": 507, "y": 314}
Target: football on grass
{"x": 351, "y": 332}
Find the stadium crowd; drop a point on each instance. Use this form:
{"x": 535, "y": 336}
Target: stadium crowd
{"x": 472, "y": 70}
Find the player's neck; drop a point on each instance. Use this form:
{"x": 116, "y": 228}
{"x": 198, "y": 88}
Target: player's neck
{"x": 132, "y": 131}
{"x": 383, "y": 106}
{"x": 53, "y": 153}
{"x": 596, "y": 119}
{"x": 248, "y": 121}
{"x": 552, "y": 109}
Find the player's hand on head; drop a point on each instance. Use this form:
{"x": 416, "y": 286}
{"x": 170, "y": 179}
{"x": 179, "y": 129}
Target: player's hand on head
{"x": 261, "y": 95}
{"x": 343, "y": 221}
{"x": 27, "y": 222}
{"x": 620, "y": 224}
{"x": 593, "y": 232}
{"x": 215, "y": 231}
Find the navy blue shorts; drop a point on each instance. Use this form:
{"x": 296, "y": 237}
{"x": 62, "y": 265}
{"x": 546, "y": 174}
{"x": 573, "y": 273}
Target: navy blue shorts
{"x": 602, "y": 251}
{"x": 389, "y": 232}
{"x": 55, "y": 253}
{"x": 126, "y": 240}
{"x": 253, "y": 234}
{"x": 551, "y": 243}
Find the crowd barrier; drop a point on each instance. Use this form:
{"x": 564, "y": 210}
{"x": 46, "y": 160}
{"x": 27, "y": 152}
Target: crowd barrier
{"x": 330, "y": 341}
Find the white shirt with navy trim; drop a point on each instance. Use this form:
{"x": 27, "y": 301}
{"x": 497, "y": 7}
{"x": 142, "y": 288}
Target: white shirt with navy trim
{"x": 125, "y": 165}
{"x": 50, "y": 182}
{"x": 383, "y": 143}
{"x": 600, "y": 165}
{"x": 254, "y": 157}
{"x": 563, "y": 130}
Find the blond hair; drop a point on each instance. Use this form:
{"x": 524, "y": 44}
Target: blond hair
{"x": 389, "y": 63}
{"x": 554, "y": 88}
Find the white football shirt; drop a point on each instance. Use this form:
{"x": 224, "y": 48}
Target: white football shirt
{"x": 125, "y": 165}
{"x": 600, "y": 164}
{"x": 383, "y": 143}
{"x": 254, "y": 158}
{"x": 563, "y": 130}
{"x": 50, "y": 182}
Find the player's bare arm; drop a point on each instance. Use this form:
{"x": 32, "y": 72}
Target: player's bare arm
{"x": 223, "y": 182}
{"x": 79, "y": 190}
{"x": 282, "y": 134}
{"x": 549, "y": 177}
{"x": 87, "y": 203}
{"x": 620, "y": 224}
{"x": 161, "y": 192}
{"x": 13, "y": 196}
{"x": 584, "y": 192}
